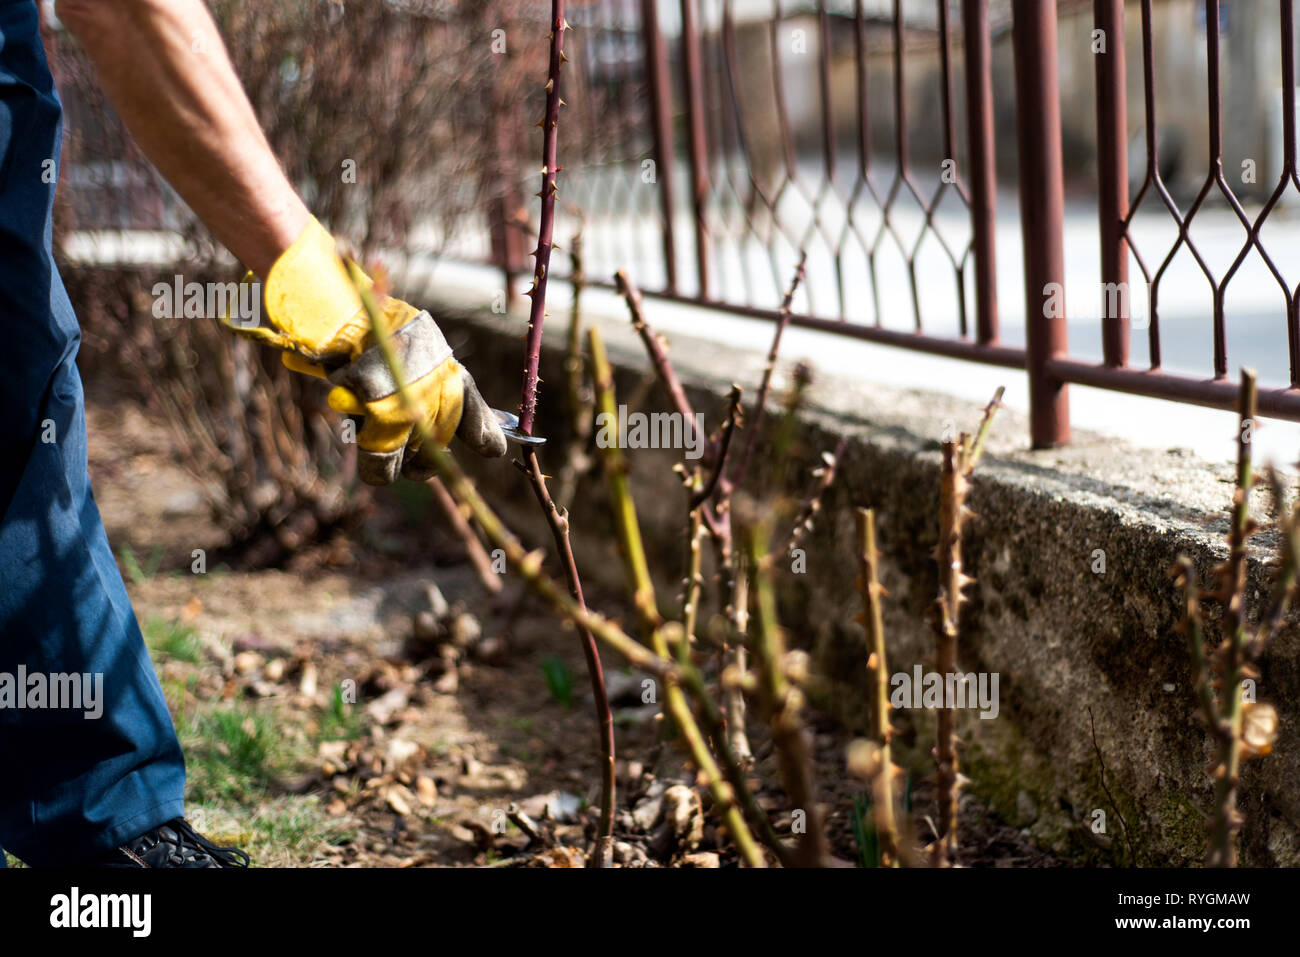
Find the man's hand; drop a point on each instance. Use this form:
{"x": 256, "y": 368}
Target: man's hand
{"x": 316, "y": 316}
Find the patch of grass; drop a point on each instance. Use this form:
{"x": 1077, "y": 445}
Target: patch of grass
{"x": 291, "y": 830}
{"x": 864, "y": 832}
{"x": 341, "y": 722}
{"x": 236, "y": 755}
{"x": 229, "y": 754}
{"x": 173, "y": 639}
{"x": 559, "y": 680}
{"x": 285, "y": 831}
{"x": 179, "y": 691}
{"x": 134, "y": 570}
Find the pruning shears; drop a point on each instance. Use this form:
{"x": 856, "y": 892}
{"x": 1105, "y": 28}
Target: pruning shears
{"x": 509, "y": 423}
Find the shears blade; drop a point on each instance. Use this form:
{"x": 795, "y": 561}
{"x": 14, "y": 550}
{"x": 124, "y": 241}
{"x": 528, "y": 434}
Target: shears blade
{"x": 509, "y": 423}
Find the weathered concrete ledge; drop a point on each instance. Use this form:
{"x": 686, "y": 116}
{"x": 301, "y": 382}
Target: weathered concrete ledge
{"x": 1071, "y": 645}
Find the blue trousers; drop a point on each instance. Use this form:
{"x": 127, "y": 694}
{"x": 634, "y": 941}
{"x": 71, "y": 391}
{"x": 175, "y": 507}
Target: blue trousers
{"x": 71, "y": 788}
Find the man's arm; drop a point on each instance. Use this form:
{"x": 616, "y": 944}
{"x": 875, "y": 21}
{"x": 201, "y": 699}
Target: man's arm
{"x": 166, "y": 71}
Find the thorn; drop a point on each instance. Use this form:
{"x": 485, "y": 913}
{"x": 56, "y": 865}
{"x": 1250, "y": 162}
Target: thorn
{"x": 550, "y": 85}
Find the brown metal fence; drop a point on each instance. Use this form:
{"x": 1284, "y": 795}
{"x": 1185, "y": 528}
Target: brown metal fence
{"x": 1116, "y": 214}
{"x": 873, "y": 148}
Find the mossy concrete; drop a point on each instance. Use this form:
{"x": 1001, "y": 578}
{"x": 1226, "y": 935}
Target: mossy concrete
{"x": 1074, "y": 646}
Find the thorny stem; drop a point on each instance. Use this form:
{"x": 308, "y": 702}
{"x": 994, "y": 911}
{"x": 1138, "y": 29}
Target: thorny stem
{"x": 824, "y": 477}
{"x": 529, "y": 565}
{"x": 576, "y": 461}
{"x": 959, "y": 461}
{"x": 732, "y": 584}
{"x": 691, "y": 596}
{"x": 558, "y": 518}
{"x": 655, "y": 349}
{"x": 782, "y": 702}
{"x": 734, "y": 768}
{"x": 550, "y": 170}
{"x": 1234, "y": 659}
{"x": 629, "y": 531}
{"x": 972, "y": 450}
{"x": 1232, "y": 587}
{"x": 478, "y": 557}
{"x": 737, "y": 476}
{"x": 657, "y": 633}
{"x": 733, "y": 765}
{"x": 734, "y": 414}
{"x": 878, "y": 670}
{"x": 734, "y": 656}
{"x": 711, "y": 502}
{"x": 698, "y": 491}
{"x": 951, "y": 582}
{"x": 1193, "y": 624}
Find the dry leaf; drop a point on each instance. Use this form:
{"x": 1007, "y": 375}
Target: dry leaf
{"x": 399, "y": 799}
{"x": 246, "y": 662}
{"x": 193, "y": 608}
{"x": 307, "y": 683}
{"x": 1258, "y": 729}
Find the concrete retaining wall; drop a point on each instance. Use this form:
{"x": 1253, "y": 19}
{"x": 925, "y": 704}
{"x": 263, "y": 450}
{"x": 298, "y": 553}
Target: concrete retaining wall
{"x": 1064, "y": 639}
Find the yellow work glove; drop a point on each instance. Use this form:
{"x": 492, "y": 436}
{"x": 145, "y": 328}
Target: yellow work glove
{"x": 316, "y": 317}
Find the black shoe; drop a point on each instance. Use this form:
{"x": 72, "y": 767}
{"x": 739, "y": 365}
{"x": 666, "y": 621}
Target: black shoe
{"x": 174, "y": 844}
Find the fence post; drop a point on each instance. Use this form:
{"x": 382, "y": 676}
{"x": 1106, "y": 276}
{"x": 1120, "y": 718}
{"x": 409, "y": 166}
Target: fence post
{"x": 983, "y": 173}
{"x": 1112, "y": 181}
{"x": 1042, "y": 216}
{"x": 693, "y": 88}
{"x": 661, "y": 122}
{"x": 506, "y": 238}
